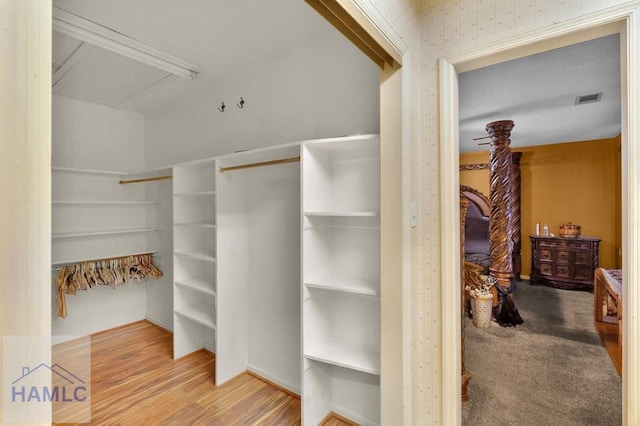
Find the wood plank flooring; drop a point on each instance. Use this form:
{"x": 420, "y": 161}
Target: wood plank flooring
{"x": 135, "y": 381}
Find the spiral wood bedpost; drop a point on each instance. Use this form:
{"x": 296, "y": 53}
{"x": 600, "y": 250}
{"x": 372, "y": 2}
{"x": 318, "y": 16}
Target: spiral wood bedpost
{"x": 466, "y": 376}
{"x": 516, "y": 235}
{"x": 500, "y": 166}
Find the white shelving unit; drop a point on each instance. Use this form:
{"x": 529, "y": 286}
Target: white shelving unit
{"x": 341, "y": 279}
{"x": 93, "y": 216}
{"x": 194, "y": 268}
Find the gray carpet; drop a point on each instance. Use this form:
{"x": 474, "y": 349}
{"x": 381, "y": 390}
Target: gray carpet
{"x": 551, "y": 370}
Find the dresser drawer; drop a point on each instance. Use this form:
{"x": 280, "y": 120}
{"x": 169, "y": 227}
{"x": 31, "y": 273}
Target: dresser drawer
{"x": 563, "y": 271}
{"x": 546, "y": 254}
{"x": 582, "y": 257}
{"x": 582, "y": 272}
{"x": 546, "y": 268}
{"x": 563, "y": 256}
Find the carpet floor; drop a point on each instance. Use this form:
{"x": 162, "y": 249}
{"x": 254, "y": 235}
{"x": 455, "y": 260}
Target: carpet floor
{"x": 551, "y": 370}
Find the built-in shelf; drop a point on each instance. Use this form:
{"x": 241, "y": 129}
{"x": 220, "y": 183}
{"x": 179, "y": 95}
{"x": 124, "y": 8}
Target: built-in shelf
{"x": 201, "y": 284}
{"x": 340, "y": 354}
{"x": 199, "y": 314}
{"x": 104, "y": 203}
{"x": 362, "y": 287}
{"x": 196, "y": 224}
{"x": 88, "y": 171}
{"x": 200, "y": 255}
{"x": 103, "y": 233}
{"x": 196, "y": 193}
{"x": 342, "y": 214}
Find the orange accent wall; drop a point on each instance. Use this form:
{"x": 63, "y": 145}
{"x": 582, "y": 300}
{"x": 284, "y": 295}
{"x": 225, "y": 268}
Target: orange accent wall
{"x": 575, "y": 182}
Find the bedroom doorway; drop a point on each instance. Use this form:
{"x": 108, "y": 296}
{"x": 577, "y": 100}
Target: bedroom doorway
{"x": 591, "y": 27}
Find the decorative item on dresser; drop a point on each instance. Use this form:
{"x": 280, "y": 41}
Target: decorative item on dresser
{"x": 562, "y": 262}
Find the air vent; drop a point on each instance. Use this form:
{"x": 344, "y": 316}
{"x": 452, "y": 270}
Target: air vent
{"x": 587, "y": 99}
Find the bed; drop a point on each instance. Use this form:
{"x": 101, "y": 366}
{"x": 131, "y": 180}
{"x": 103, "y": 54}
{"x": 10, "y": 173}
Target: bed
{"x": 607, "y": 290}
{"x": 476, "y": 234}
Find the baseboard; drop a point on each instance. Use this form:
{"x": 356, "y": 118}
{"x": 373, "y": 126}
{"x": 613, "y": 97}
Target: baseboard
{"x": 209, "y": 347}
{"x": 334, "y": 416}
{"x": 526, "y": 277}
{"x": 351, "y": 416}
{"x": 160, "y": 324}
{"x": 263, "y": 375}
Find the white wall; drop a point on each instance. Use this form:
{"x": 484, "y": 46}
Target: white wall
{"x": 159, "y": 301}
{"x": 90, "y": 136}
{"x": 273, "y": 216}
{"x": 327, "y": 89}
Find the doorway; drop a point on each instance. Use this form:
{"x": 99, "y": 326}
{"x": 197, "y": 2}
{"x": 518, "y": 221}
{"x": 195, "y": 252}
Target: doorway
{"x": 588, "y": 28}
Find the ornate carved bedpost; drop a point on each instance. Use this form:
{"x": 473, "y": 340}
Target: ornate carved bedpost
{"x": 500, "y": 166}
{"x": 466, "y": 376}
{"x": 516, "y": 235}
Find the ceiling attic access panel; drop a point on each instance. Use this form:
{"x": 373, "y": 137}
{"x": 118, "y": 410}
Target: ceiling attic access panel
{"x": 95, "y": 63}
{"x": 107, "y": 78}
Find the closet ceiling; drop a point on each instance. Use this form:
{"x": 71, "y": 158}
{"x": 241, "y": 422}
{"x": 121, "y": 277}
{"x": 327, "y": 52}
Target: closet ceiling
{"x": 225, "y": 38}
{"x": 222, "y": 37}
{"x": 538, "y": 93}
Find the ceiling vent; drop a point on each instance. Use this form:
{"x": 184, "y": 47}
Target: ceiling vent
{"x": 587, "y": 99}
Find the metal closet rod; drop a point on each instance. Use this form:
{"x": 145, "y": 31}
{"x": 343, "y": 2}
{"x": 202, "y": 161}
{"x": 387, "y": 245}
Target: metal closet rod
{"x": 260, "y": 164}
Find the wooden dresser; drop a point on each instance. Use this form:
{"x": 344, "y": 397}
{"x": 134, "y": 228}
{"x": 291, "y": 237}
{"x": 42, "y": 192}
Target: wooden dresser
{"x": 564, "y": 262}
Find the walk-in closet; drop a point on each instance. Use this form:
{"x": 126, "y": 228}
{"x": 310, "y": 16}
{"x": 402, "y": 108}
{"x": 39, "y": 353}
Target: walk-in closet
{"x": 216, "y": 172}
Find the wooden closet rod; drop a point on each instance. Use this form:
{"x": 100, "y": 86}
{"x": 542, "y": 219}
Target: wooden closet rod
{"x": 125, "y": 182}
{"x": 59, "y": 265}
{"x": 263, "y": 163}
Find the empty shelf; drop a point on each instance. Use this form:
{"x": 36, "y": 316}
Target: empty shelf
{"x": 87, "y": 171}
{"x": 196, "y": 224}
{"x": 200, "y": 314}
{"x": 201, "y": 255}
{"x": 179, "y": 194}
{"x": 104, "y": 203}
{"x": 363, "y": 287}
{"x": 103, "y": 233}
{"x": 340, "y": 354}
{"x": 341, "y": 214}
{"x": 201, "y": 284}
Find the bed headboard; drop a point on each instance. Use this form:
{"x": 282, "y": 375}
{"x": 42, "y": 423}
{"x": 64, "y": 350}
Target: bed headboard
{"x": 476, "y": 221}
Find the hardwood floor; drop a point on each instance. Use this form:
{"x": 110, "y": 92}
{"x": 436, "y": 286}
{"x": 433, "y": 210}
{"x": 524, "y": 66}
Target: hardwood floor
{"x": 135, "y": 381}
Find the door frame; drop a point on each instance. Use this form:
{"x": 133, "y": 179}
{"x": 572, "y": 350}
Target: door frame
{"x": 624, "y": 20}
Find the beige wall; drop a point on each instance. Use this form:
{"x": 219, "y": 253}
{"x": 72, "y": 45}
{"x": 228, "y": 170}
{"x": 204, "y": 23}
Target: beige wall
{"x": 447, "y": 28}
{"x": 571, "y": 182}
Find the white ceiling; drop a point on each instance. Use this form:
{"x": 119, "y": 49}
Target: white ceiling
{"x": 225, "y": 37}
{"x": 222, "y": 37}
{"x": 538, "y": 93}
